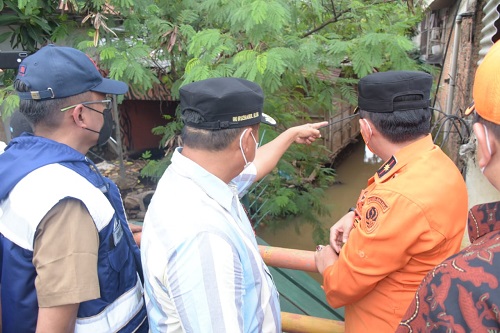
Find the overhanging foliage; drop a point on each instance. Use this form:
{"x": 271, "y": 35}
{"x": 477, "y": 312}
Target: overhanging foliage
{"x": 290, "y": 48}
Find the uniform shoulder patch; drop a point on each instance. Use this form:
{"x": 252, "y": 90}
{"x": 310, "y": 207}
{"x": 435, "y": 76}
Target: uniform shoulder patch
{"x": 378, "y": 201}
{"x": 386, "y": 167}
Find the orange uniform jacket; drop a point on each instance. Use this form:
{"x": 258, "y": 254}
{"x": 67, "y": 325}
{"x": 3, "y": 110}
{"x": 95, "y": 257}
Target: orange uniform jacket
{"x": 411, "y": 217}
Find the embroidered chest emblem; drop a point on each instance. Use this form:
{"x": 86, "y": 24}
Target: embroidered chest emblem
{"x": 370, "y": 222}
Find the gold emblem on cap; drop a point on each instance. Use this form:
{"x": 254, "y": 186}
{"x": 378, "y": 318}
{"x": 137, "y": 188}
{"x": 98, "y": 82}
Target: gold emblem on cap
{"x": 246, "y": 116}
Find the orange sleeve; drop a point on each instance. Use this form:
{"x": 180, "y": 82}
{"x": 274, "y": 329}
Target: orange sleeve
{"x": 382, "y": 242}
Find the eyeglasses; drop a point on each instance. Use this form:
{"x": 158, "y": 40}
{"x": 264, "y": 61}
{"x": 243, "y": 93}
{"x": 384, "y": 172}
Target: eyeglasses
{"x": 106, "y": 102}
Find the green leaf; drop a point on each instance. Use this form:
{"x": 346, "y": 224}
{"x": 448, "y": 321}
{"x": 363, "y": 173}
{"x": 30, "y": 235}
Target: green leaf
{"x": 361, "y": 62}
{"x": 4, "y": 36}
{"x": 8, "y": 19}
{"x": 191, "y": 64}
{"x": 282, "y": 201}
{"x": 259, "y": 11}
{"x": 261, "y": 63}
{"x": 108, "y": 53}
{"x": 245, "y": 56}
{"x": 203, "y": 40}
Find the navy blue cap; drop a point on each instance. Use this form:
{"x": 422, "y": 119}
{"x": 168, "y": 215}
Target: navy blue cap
{"x": 226, "y": 102}
{"x": 59, "y": 71}
{"x": 377, "y": 91}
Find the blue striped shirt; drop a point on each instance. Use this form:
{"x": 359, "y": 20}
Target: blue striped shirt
{"x": 201, "y": 262}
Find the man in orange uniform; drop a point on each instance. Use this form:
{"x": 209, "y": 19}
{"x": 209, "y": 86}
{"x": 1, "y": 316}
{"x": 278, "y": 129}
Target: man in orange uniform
{"x": 409, "y": 218}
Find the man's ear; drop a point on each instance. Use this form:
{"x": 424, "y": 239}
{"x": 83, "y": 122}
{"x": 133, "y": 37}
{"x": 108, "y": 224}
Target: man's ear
{"x": 367, "y": 129}
{"x": 78, "y": 116}
{"x": 247, "y": 140}
{"x": 484, "y": 155}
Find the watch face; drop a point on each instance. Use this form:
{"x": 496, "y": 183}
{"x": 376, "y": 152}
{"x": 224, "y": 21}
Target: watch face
{"x": 12, "y": 59}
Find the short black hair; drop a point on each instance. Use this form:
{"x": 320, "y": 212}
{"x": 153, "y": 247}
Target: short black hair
{"x": 207, "y": 139}
{"x": 401, "y": 126}
{"x": 45, "y": 111}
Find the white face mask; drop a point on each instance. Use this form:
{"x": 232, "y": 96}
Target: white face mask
{"x": 487, "y": 144}
{"x": 241, "y": 148}
{"x": 371, "y": 133}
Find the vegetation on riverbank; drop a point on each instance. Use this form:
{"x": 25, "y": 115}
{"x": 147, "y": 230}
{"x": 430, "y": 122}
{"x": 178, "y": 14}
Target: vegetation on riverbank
{"x": 307, "y": 56}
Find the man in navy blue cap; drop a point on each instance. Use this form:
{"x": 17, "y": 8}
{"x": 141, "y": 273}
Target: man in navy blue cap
{"x": 202, "y": 267}
{"x": 410, "y": 216}
{"x": 68, "y": 259}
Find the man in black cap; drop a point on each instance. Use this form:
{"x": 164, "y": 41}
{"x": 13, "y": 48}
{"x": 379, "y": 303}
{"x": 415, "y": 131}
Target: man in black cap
{"x": 203, "y": 270}
{"x": 409, "y": 218}
{"x": 68, "y": 259}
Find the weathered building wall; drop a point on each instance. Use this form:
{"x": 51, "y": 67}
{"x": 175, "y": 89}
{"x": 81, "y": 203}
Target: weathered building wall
{"x": 476, "y": 34}
{"x": 339, "y": 135}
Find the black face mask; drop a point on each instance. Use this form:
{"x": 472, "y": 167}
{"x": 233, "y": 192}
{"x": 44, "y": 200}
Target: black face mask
{"x": 108, "y": 127}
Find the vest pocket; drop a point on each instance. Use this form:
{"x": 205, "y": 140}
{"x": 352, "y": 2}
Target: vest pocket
{"x": 118, "y": 256}
{"x": 117, "y": 276}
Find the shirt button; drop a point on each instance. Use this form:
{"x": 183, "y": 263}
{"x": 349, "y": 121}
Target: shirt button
{"x": 361, "y": 254}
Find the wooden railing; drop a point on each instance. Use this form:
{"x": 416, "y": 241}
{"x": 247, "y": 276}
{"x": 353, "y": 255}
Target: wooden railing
{"x": 303, "y": 261}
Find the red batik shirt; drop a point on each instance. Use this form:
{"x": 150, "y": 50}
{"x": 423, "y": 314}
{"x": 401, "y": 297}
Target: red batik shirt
{"x": 462, "y": 293}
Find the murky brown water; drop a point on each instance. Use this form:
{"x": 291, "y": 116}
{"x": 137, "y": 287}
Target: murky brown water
{"x": 353, "y": 175}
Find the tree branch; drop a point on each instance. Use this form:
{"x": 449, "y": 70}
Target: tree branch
{"x": 336, "y": 16}
{"x": 333, "y": 8}
{"x": 334, "y": 19}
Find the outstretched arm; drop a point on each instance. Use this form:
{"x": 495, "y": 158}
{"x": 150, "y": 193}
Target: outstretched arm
{"x": 269, "y": 154}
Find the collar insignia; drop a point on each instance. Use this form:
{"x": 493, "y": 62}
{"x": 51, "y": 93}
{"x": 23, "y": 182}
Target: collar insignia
{"x": 384, "y": 169}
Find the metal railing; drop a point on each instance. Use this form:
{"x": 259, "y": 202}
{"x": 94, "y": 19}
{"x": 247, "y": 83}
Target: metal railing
{"x": 304, "y": 261}
{"x": 295, "y": 323}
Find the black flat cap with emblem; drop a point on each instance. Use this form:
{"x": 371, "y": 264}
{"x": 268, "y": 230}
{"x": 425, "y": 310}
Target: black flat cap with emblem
{"x": 224, "y": 103}
{"x": 377, "y": 92}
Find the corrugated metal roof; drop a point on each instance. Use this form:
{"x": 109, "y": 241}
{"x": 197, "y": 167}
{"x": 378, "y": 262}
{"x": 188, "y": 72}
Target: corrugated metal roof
{"x": 491, "y": 24}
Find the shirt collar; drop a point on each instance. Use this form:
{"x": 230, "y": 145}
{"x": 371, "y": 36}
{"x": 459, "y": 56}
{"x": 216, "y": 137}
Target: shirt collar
{"x": 483, "y": 218}
{"x": 403, "y": 156}
{"x": 213, "y": 186}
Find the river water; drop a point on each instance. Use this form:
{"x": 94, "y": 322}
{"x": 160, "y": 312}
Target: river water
{"x": 351, "y": 176}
